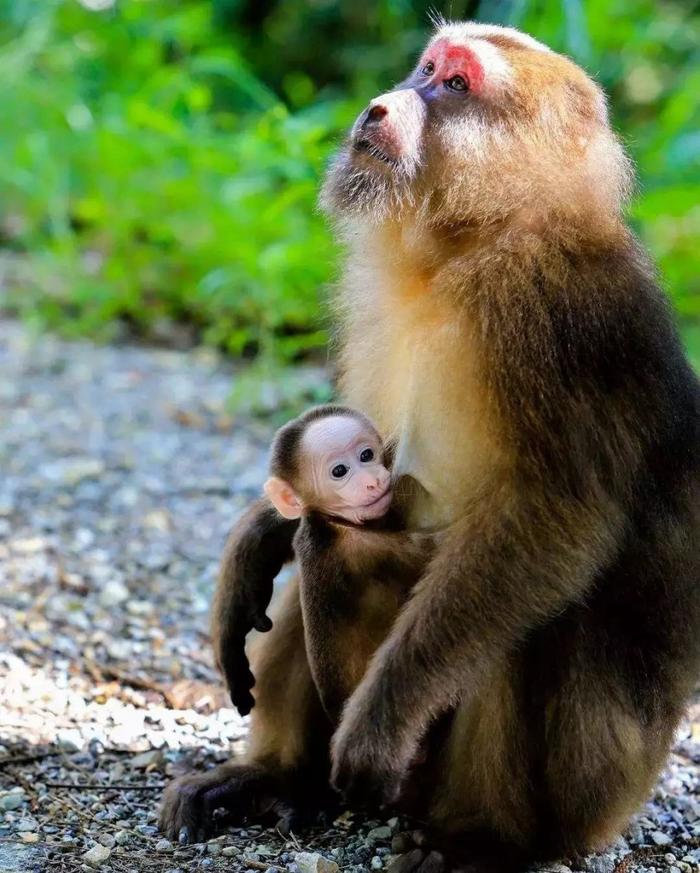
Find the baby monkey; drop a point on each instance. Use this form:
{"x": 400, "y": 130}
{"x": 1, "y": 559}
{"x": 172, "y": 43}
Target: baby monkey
{"x": 357, "y": 567}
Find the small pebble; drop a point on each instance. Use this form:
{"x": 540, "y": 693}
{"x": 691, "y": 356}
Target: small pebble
{"x": 12, "y": 801}
{"x": 164, "y": 846}
{"x": 69, "y": 741}
{"x": 380, "y": 833}
{"x": 97, "y": 855}
{"x": 313, "y": 862}
{"x": 27, "y": 824}
{"x": 601, "y": 864}
{"x": 661, "y": 839}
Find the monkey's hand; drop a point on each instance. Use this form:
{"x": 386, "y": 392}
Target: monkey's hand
{"x": 369, "y": 763}
{"x": 239, "y": 677}
{"x": 257, "y": 547}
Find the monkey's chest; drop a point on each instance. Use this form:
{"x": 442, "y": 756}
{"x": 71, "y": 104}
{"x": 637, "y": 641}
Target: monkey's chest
{"x": 426, "y": 400}
{"x": 435, "y": 441}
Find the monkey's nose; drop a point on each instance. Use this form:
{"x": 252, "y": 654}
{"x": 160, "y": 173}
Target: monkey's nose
{"x": 375, "y": 113}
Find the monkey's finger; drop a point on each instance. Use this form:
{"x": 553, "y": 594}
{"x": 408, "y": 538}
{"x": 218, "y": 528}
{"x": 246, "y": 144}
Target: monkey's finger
{"x": 262, "y": 623}
{"x": 243, "y": 701}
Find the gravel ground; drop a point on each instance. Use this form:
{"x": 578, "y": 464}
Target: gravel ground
{"x": 121, "y": 472}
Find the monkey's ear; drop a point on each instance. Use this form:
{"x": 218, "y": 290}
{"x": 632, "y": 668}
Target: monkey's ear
{"x": 283, "y": 497}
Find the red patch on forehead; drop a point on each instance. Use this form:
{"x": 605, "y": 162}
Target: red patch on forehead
{"x": 453, "y": 59}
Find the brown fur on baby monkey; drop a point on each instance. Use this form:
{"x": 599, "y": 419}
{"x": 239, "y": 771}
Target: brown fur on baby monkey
{"x": 329, "y": 475}
{"x": 356, "y": 566}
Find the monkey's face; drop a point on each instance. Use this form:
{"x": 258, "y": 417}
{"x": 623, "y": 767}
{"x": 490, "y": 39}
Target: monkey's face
{"x": 344, "y": 472}
{"x": 489, "y": 122}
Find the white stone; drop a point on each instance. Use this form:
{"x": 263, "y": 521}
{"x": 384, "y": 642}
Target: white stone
{"x": 312, "y": 862}
{"x": 113, "y": 593}
{"x": 69, "y": 740}
{"x": 97, "y": 855}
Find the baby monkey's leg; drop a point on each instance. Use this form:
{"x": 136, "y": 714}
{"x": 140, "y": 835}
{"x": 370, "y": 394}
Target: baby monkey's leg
{"x": 287, "y": 765}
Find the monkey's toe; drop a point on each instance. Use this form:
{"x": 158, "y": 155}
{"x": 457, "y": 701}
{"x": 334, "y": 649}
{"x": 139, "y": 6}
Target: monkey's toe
{"x": 198, "y": 805}
{"x": 418, "y": 861}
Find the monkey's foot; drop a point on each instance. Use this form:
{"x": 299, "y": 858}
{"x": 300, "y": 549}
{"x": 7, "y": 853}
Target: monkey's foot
{"x": 199, "y": 804}
{"x": 422, "y": 852}
{"x": 418, "y": 861}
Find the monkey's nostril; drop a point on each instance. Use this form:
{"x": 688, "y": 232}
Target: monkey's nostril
{"x": 377, "y": 112}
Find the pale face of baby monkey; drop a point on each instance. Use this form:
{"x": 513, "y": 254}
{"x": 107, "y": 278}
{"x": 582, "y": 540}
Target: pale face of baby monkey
{"x": 341, "y": 473}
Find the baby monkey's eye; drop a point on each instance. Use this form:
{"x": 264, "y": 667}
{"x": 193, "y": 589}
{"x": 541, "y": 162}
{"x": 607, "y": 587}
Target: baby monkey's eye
{"x": 428, "y": 69}
{"x": 339, "y": 471}
{"x": 367, "y": 455}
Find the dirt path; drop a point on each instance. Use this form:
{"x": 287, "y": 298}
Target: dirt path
{"x": 120, "y": 474}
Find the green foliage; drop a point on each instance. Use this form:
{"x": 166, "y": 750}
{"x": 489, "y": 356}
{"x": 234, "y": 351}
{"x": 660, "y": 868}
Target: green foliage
{"x": 159, "y": 161}
{"x": 140, "y": 188}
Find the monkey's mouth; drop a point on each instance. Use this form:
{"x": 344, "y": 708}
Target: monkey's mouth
{"x": 367, "y": 147}
{"x": 381, "y": 501}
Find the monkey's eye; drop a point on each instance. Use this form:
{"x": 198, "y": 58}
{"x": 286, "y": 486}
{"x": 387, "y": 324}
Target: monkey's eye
{"x": 457, "y": 83}
{"x": 428, "y": 69}
{"x": 366, "y": 455}
{"x": 339, "y": 471}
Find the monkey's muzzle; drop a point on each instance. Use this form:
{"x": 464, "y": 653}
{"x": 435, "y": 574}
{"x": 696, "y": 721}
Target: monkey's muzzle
{"x": 391, "y": 127}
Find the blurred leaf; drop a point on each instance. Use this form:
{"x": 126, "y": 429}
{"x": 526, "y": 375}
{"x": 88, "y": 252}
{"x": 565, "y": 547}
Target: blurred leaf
{"x": 160, "y": 161}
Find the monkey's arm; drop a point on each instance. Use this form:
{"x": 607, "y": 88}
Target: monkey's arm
{"x": 504, "y": 569}
{"x": 329, "y": 608}
{"x": 258, "y": 546}
{"x": 353, "y": 582}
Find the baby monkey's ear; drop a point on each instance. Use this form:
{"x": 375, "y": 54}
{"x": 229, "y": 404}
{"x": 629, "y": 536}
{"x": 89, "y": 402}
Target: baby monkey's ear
{"x": 283, "y": 498}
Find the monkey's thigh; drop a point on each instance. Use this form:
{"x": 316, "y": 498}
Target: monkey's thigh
{"x": 551, "y": 756}
{"x": 602, "y": 750}
{"x": 482, "y": 774}
{"x": 288, "y": 746}
{"x": 289, "y": 729}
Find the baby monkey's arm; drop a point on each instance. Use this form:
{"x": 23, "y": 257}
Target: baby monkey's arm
{"x": 258, "y": 546}
{"x": 354, "y": 580}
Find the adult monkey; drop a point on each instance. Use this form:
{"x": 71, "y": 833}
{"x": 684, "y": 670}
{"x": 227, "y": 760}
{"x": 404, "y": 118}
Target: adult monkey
{"x": 502, "y": 326}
